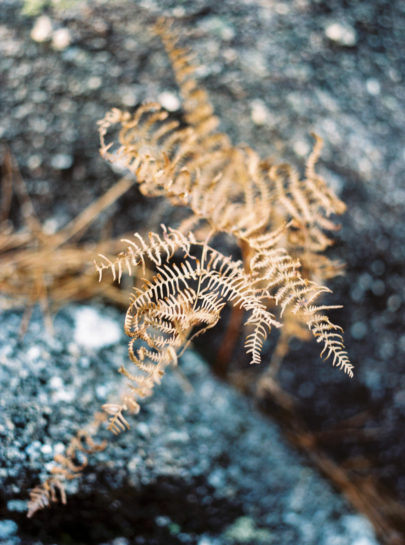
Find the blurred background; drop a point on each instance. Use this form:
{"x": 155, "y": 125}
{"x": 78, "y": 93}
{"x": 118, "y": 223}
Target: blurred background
{"x": 275, "y": 71}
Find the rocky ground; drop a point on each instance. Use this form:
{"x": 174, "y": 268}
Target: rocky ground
{"x": 200, "y": 466}
{"x": 275, "y": 71}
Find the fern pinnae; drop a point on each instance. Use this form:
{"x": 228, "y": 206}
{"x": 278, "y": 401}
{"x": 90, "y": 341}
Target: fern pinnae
{"x": 294, "y": 290}
{"x": 263, "y": 321}
{"x": 117, "y": 423}
{"x": 43, "y": 495}
{"x": 198, "y": 108}
{"x": 254, "y": 344}
{"x": 278, "y": 220}
{"x": 314, "y": 156}
{"x": 138, "y": 251}
{"x": 317, "y": 186}
{"x": 67, "y": 467}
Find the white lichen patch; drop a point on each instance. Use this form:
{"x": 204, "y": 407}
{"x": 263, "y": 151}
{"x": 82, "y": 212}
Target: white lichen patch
{"x": 93, "y": 330}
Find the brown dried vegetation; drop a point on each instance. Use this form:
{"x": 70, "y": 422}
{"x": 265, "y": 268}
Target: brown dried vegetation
{"x": 280, "y": 223}
{"x": 49, "y": 268}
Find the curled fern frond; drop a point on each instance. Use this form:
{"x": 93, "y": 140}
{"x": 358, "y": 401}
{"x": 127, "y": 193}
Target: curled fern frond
{"x": 182, "y": 301}
{"x": 281, "y": 222}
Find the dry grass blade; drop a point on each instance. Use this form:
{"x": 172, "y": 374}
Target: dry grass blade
{"x": 50, "y": 269}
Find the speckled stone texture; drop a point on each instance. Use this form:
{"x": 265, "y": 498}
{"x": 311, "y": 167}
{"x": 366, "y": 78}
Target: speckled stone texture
{"x": 275, "y": 71}
{"x": 199, "y": 464}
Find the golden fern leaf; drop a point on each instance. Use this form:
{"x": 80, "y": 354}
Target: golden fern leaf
{"x": 279, "y": 221}
{"x": 317, "y": 186}
{"x": 278, "y": 218}
{"x": 43, "y": 495}
{"x": 199, "y": 112}
{"x": 138, "y": 251}
{"x": 66, "y": 467}
{"x": 276, "y": 269}
{"x": 308, "y": 205}
{"x": 330, "y": 335}
{"x": 182, "y": 301}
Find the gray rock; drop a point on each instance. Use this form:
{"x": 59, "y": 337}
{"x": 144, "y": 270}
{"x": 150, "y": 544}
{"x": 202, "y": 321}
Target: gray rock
{"x": 202, "y": 452}
{"x": 341, "y": 33}
{"x": 296, "y": 80}
{"x": 61, "y": 161}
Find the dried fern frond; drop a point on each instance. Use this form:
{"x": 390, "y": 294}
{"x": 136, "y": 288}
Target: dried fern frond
{"x": 43, "y": 495}
{"x": 278, "y": 219}
{"x": 279, "y": 274}
{"x": 66, "y": 467}
{"x": 182, "y": 301}
{"x": 156, "y": 250}
{"x": 280, "y": 222}
{"x": 199, "y": 112}
{"x": 226, "y": 187}
{"x": 308, "y": 204}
